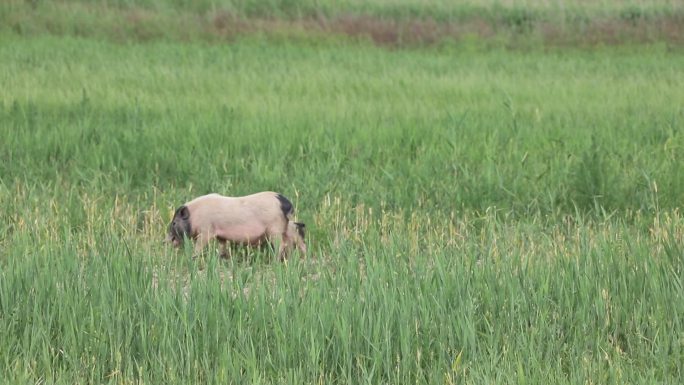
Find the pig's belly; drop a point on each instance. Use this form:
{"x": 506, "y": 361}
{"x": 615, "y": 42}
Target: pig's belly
{"x": 252, "y": 233}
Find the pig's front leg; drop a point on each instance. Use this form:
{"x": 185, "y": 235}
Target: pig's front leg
{"x": 284, "y": 248}
{"x": 201, "y": 242}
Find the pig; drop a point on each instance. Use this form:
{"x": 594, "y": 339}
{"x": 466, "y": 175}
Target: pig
{"x": 251, "y": 220}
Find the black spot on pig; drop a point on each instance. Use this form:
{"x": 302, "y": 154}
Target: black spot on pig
{"x": 285, "y": 205}
{"x": 300, "y": 228}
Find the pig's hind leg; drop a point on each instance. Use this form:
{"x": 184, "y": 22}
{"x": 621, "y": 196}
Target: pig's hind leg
{"x": 225, "y": 251}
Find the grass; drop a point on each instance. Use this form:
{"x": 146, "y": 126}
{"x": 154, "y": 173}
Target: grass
{"x": 475, "y": 215}
{"x": 530, "y": 132}
{"x": 438, "y": 9}
{"x": 473, "y": 299}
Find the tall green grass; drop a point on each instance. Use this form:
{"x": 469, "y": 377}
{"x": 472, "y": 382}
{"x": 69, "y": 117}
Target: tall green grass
{"x": 475, "y": 216}
{"x": 382, "y": 300}
{"x": 527, "y": 132}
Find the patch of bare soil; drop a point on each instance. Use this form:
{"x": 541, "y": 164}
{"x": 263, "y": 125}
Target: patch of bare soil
{"x": 510, "y": 29}
{"x": 426, "y": 32}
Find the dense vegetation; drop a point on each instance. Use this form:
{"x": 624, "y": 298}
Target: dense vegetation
{"x": 478, "y": 212}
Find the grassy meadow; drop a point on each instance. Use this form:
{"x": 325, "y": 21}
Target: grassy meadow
{"x": 476, "y": 212}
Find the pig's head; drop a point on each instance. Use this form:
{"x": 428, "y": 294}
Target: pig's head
{"x": 179, "y": 228}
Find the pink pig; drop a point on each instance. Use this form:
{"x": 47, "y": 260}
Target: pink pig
{"x": 249, "y": 220}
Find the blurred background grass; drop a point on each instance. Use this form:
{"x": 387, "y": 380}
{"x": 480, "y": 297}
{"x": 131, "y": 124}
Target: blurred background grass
{"x": 487, "y": 200}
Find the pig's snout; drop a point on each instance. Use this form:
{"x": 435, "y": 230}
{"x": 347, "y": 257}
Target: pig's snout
{"x": 173, "y": 241}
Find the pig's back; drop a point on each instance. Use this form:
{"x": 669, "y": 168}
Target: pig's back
{"x": 218, "y": 210}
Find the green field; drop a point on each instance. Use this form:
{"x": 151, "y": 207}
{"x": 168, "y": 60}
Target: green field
{"x": 477, "y": 212}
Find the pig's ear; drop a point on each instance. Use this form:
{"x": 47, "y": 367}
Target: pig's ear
{"x": 184, "y": 212}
